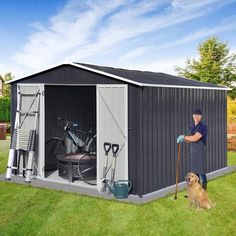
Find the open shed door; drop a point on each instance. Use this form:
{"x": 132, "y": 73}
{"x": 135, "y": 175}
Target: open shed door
{"x": 112, "y": 127}
{"x": 27, "y": 97}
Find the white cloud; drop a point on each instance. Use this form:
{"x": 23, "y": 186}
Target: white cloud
{"x": 201, "y": 34}
{"x": 87, "y": 29}
{"x": 17, "y": 71}
{"x": 134, "y": 53}
{"x": 130, "y": 23}
{"x": 66, "y": 31}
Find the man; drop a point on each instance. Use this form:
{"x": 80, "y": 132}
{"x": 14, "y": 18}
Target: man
{"x": 197, "y": 140}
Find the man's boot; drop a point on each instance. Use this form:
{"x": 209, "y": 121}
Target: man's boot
{"x": 204, "y": 186}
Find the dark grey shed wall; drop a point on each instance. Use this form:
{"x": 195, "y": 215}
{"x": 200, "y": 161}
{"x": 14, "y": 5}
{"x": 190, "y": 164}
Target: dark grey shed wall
{"x": 166, "y": 113}
{"x": 134, "y": 137}
{"x": 67, "y": 74}
{"x": 72, "y": 103}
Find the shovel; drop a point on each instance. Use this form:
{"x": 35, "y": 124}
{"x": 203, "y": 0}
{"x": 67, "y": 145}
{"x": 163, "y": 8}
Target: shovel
{"x": 107, "y": 148}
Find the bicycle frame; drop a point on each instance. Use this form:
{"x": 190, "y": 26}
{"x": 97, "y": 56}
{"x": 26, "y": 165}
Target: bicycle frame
{"x": 69, "y": 134}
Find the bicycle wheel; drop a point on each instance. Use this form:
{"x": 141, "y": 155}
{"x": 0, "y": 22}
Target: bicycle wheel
{"x": 53, "y": 147}
{"x": 87, "y": 169}
{"x": 92, "y": 145}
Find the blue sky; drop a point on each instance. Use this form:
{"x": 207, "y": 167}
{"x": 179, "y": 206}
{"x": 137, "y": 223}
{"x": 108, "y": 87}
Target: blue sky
{"x": 143, "y": 35}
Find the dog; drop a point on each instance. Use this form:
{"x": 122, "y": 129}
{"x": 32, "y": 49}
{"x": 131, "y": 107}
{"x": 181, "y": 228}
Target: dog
{"x": 197, "y": 196}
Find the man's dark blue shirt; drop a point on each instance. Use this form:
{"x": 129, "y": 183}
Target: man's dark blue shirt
{"x": 200, "y": 128}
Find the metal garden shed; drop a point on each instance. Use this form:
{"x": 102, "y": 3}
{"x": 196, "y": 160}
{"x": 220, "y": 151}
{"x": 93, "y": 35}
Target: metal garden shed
{"x": 142, "y": 111}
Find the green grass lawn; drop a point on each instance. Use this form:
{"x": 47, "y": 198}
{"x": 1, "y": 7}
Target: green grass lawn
{"x": 4, "y": 149}
{"x": 26, "y": 210}
{"x": 231, "y": 158}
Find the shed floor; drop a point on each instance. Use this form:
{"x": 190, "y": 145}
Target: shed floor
{"x": 83, "y": 189}
{"x": 54, "y": 177}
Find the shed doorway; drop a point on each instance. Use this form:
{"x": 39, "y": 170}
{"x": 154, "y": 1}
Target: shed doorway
{"x": 70, "y": 115}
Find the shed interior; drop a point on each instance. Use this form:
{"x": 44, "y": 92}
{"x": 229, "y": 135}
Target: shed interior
{"x": 75, "y": 104}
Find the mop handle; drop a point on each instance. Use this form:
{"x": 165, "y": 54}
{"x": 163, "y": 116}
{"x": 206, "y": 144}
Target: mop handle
{"x": 177, "y": 172}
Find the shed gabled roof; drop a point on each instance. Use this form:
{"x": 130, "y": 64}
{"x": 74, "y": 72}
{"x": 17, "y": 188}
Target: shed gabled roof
{"x": 142, "y": 78}
{"x": 147, "y": 78}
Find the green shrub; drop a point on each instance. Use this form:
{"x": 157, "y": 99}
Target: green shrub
{"x": 4, "y": 109}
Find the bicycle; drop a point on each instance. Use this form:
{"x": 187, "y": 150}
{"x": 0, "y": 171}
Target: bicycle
{"x": 84, "y": 142}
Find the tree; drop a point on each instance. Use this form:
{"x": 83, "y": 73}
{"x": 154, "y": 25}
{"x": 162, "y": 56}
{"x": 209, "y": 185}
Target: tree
{"x": 6, "y": 88}
{"x": 215, "y": 65}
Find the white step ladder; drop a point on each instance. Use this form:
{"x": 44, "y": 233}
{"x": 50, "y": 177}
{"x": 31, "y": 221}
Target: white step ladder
{"x": 23, "y": 140}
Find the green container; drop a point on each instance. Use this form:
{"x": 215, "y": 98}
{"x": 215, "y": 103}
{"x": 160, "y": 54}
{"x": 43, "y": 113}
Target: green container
{"x": 121, "y": 188}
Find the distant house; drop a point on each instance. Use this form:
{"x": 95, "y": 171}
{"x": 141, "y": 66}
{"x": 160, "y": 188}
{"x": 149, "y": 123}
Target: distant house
{"x": 1, "y": 86}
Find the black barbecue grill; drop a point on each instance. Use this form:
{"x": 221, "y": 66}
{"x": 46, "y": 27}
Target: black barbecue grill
{"x": 77, "y": 166}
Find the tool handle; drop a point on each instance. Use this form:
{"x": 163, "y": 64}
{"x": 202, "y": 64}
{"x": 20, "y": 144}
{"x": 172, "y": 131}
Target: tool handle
{"x": 115, "y": 149}
{"x": 177, "y": 172}
{"x": 104, "y": 172}
{"x": 112, "y": 175}
{"x": 107, "y": 147}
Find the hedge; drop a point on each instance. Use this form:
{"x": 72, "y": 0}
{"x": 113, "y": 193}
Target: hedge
{"x": 4, "y": 109}
{"x": 231, "y": 144}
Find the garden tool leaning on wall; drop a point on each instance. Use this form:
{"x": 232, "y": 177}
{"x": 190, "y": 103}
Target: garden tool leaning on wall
{"x": 107, "y": 148}
{"x": 119, "y": 188}
{"x": 23, "y": 140}
{"x": 105, "y": 182}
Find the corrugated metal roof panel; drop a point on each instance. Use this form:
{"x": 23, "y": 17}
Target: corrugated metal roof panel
{"x": 140, "y": 78}
{"x": 147, "y": 77}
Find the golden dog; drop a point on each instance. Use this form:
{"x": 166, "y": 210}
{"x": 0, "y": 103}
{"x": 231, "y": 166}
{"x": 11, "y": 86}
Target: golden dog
{"x": 197, "y": 196}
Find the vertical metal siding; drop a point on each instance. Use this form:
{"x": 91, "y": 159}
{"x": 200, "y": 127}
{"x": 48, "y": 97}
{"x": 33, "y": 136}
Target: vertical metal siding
{"x": 134, "y": 141}
{"x": 166, "y": 113}
{"x": 67, "y": 74}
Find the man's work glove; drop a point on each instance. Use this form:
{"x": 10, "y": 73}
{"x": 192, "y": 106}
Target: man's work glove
{"x": 180, "y": 139}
